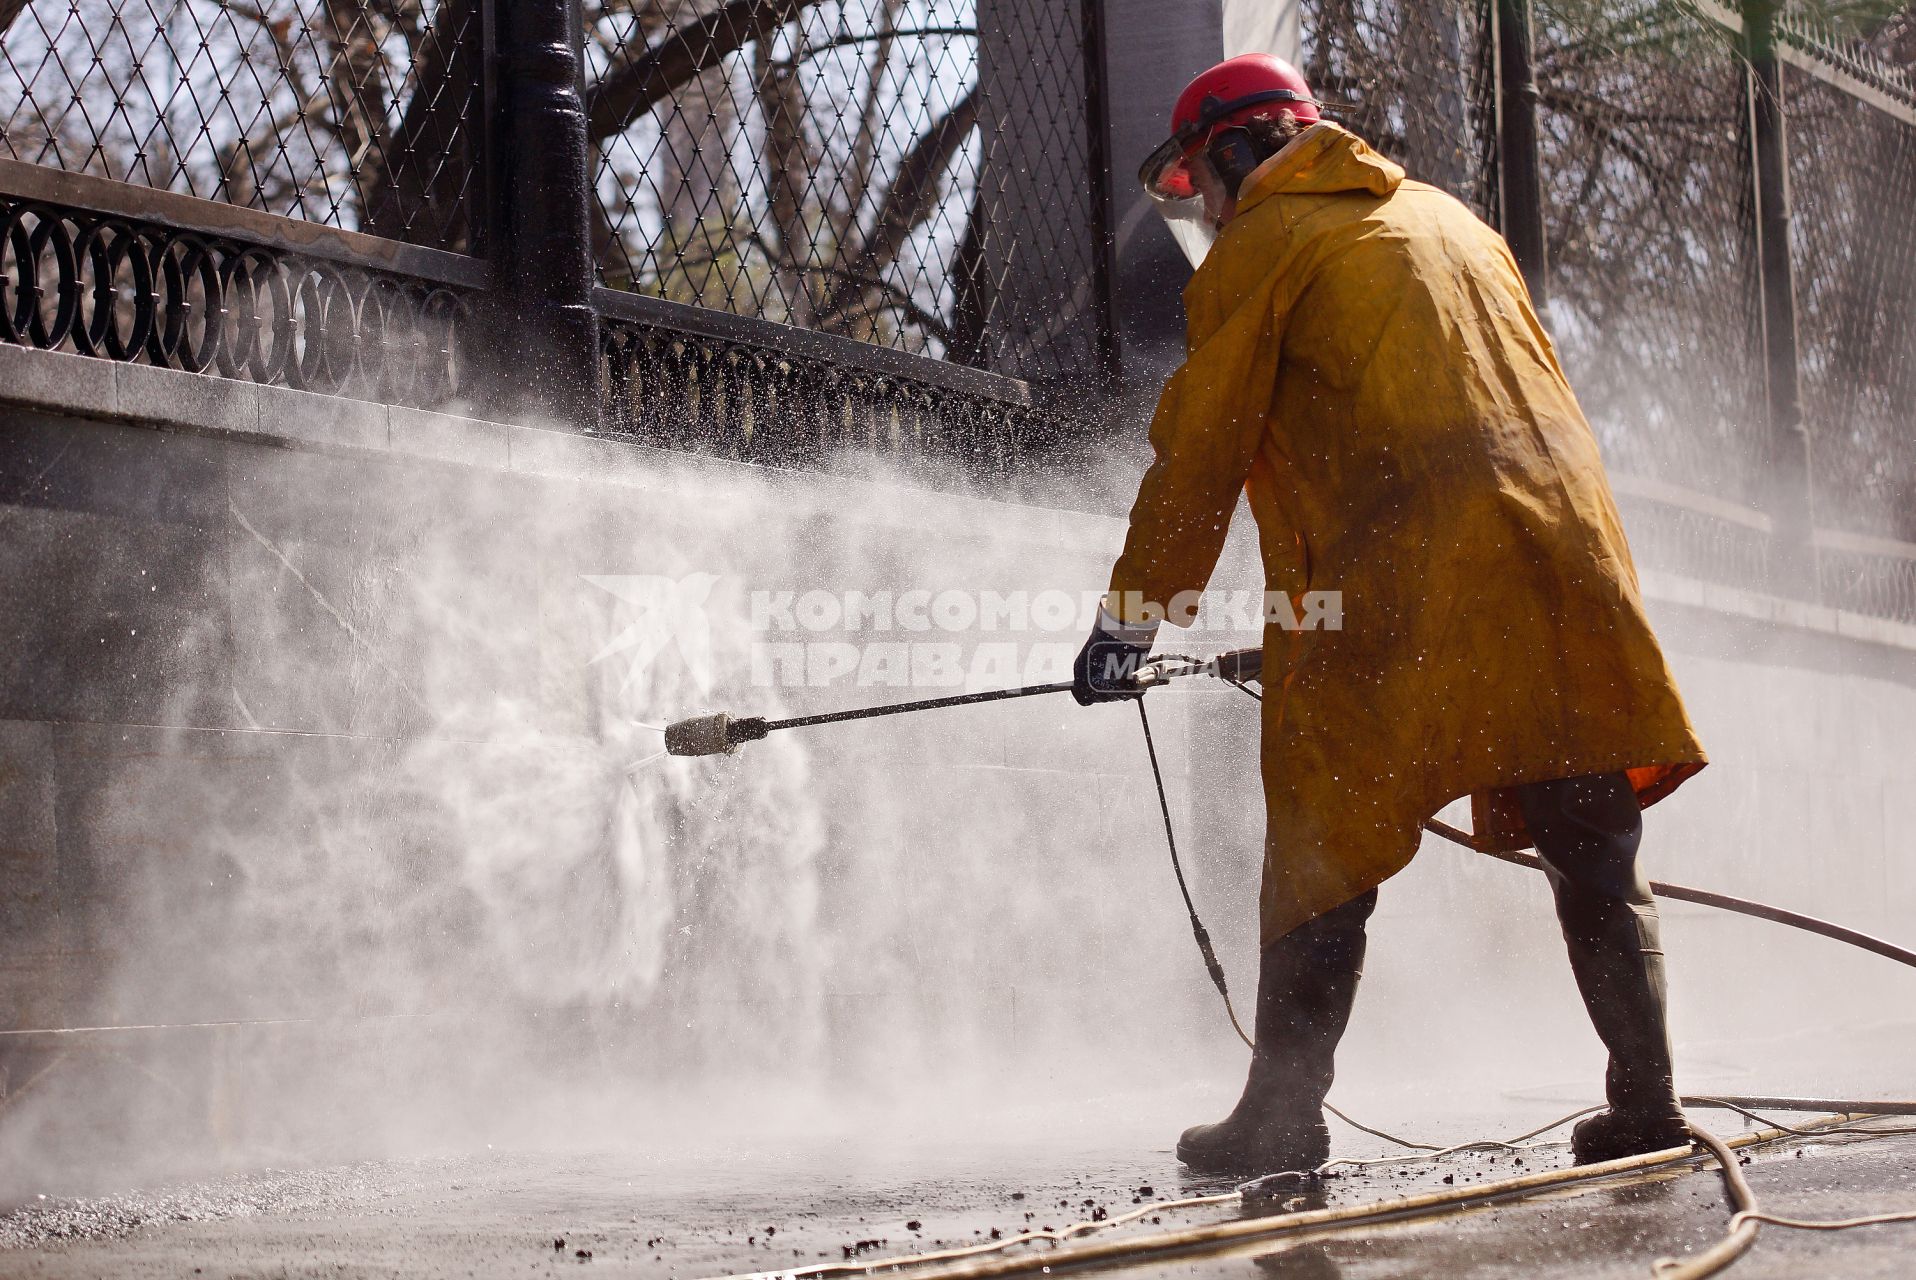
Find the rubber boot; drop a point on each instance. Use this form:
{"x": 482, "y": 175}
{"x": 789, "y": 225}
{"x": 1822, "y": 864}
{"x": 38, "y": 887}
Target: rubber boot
{"x": 1306, "y": 982}
{"x": 1587, "y": 831}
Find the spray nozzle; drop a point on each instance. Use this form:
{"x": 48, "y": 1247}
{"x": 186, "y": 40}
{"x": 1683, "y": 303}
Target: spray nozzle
{"x": 713, "y": 735}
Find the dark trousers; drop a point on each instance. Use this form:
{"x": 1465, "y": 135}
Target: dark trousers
{"x": 1586, "y": 830}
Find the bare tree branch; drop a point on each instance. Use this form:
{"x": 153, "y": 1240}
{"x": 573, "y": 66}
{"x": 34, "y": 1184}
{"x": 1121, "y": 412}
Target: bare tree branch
{"x": 9, "y": 11}
{"x": 912, "y": 197}
{"x": 627, "y": 92}
{"x": 789, "y": 166}
{"x": 891, "y": 297}
{"x": 858, "y": 167}
{"x": 815, "y": 49}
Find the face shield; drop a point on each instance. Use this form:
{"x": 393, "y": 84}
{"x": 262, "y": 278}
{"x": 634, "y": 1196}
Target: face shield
{"x": 1178, "y": 177}
{"x": 1171, "y": 178}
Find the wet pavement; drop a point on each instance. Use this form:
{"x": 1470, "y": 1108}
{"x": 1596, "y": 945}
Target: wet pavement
{"x": 678, "y": 1212}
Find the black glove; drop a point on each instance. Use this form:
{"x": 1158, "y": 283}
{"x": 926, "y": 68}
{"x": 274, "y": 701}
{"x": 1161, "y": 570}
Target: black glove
{"x": 1108, "y": 662}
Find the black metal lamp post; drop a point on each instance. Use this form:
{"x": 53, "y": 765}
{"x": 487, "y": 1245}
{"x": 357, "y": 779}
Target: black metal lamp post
{"x": 546, "y": 348}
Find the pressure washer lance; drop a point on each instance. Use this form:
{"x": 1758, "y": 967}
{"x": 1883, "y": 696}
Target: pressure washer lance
{"x": 721, "y": 734}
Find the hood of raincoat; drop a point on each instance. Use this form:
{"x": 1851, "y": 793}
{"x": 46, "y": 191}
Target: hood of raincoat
{"x": 1324, "y": 160}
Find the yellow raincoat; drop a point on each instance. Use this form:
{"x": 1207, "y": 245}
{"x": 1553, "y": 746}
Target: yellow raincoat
{"x": 1363, "y": 361}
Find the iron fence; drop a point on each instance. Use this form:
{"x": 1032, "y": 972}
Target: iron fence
{"x": 914, "y": 174}
{"x": 1643, "y": 123}
{"x": 91, "y": 274}
{"x": 911, "y": 175}
{"x": 1874, "y": 577}
{"x": 1853, "y": 184}
{"x": 1418, "y": 81}
{"x": 685, "y": 378}
{"x": 1698, "y": 359}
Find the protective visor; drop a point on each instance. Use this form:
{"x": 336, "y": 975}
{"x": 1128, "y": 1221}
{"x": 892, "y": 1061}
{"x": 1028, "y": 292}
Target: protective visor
{"x": 1166, "y": 172}
{"x": 1194, "y": 233}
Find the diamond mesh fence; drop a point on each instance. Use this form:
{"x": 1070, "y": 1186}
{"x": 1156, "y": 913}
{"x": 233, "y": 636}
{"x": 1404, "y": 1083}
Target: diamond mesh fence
{"x": 925, "y": 175}
{"x": 359, "y": 114}
{"x": 1655, "y": 305}
{"x": 1643, "y": 121}
{"x": 916, "y": 174}
{"x": 1853, "y": 184}
{"x": 1417, "y": 81}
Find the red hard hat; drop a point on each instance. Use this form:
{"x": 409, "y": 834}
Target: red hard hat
{"x": 1234, "y": 91}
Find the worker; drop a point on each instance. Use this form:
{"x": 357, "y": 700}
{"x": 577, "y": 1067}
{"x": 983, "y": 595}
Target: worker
{"x": 1364, "y": 363}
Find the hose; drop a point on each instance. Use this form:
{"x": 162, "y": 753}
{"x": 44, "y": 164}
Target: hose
{"x": 1198, "y": 931}
{"x": 1203, "y": 935}
{"x": 971, "y": 1262}
{"x": 1710, "y": 898}
{"x": 1744, "y": 1221}
{"x": 1674, "y": 892}
{"x": 1736, "y": 1102}
{"x": 1742, "y": 1233}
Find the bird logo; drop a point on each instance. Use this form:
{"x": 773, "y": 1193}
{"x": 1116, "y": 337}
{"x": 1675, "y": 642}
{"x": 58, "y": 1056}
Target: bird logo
{"x": 664, "y": 611}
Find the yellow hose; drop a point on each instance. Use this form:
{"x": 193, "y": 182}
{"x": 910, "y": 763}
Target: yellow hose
{"x": 1742, "y": 1233}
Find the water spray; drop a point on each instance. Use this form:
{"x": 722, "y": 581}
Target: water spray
{"x": 721, "y": 734}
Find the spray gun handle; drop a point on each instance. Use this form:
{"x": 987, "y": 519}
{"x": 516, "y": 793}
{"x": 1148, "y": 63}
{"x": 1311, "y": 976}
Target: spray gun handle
{"x": 1237, "y": 666}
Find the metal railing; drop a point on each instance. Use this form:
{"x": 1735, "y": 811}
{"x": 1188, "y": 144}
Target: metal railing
{"x": 686, "y": 377}
{"x": 891, "y": 201}
{"x": 104, "y": 269}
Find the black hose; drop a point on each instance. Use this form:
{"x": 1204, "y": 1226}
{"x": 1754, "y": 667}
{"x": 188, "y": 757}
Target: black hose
{"x": 1871, "y": 1106}
{"x": 1198, "y": 930}
{"x": 1702, "y": 897}
{"x": 1661, "y": 888}
{"x": 1722, "y": 901}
